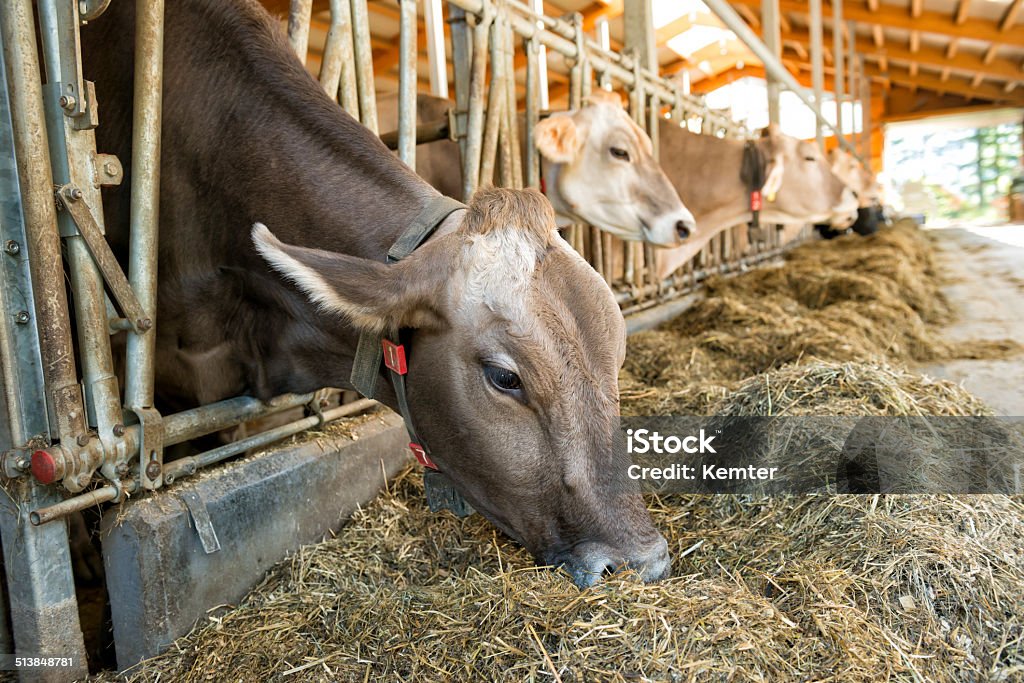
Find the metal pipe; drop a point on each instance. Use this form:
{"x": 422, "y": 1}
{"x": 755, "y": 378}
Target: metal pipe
{"x": 532, "y": 113}
{"x": 407, "y": 80}
{"x": 76, "y": 504}
{"x": 733, "y": 22}
{"x": 474, "y": 123}
{"x": 299, "y": 14}
{"x": 364, "y": 65}
{"x": 542, "y": 62}
{"x": 838, "y": 59}
{"x": 605, "y": 40}
{"x": 34, "y": 172}
{"x": 145, "y": 195}
{"x": 189, "y": 465}
{"x": 817, "y": 67}
{"x": 771, "y": 29}
{"x": 425, "y": 132}
{"x": 436, "y": 58}
{"x": 512, "y": 105}
{"x": 337, "y": 72}
{"x": 493, "y": 121}
{"x": 461, "y": 66}
{"x": 191, "y": 424}
{"x": 865, "y": 116}
{"x": 851, "y": 67}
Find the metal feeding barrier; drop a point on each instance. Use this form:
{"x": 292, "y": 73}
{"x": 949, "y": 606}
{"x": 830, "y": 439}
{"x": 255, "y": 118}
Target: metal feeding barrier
{"x": 69, "y": 428}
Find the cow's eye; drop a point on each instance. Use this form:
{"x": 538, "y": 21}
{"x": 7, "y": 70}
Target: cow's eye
{"x": 504, "y": 380}
{"x": 810, "y": 158}
{"x": 620, "y": 153}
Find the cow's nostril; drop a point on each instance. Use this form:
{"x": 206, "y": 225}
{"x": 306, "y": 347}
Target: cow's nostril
{"x": 682, "y": 229}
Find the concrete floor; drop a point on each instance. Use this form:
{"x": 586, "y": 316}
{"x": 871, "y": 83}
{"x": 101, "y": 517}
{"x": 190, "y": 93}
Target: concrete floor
{"x": 986, "y": 268}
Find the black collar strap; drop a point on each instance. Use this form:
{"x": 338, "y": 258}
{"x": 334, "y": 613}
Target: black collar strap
{"x": 753, "y": 173}
{"x": 374, "y": 347}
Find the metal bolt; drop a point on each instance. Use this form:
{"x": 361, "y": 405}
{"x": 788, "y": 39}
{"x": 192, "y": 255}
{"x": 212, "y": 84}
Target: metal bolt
{"x": 83, "y": 439}
{"x": 153, "y": 470}
{"x": 21, "y": 317}
{"x": 23, "y": 463}
{"x": 74, "y": 194}
{"x": 110, "y": 168}
{"x": 119, "y": 430}
{"x": 145, "y": 324}
{"x": 122, "y": 469}
{"x": 67, "y": 102}
{"x": 12, "y": 247}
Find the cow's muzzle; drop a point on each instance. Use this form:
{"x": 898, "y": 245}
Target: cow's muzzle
{"x": 588, "y": 563}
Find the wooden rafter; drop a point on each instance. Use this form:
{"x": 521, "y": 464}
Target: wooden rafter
{"x": 915, "y": 8}
{"x": 952, "y": 47}
{"x": 940, "y": 23}
{"x": 872, "y": 5}
{"x": 878, "y": 35}
{"x": 990, "y": 54}
{"x": 915, "y": 41}
{"x": 962, "y": 8}
{"x": 1010, "y": 16}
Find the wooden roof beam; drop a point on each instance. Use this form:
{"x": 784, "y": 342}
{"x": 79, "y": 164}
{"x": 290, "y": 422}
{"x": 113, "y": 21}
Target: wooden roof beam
{"x": 915, "y": 8}
{"x": 915, "y": 41}
{"x": 962, "y": 9}
{"x": 952, "y": 47}
{"x": 940, "y": 23}
{"x": 1010, "y": 16}
{"x": 878, "y": 35}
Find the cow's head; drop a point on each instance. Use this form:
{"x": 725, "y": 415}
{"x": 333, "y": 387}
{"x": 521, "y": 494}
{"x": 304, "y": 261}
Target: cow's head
{"x": 858, "y": 178}
{"x": 513, "y": 360}
{"x": 599, "y": 168}
{"x": 801, "y": 186}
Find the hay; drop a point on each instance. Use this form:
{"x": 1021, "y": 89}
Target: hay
{"x": 784, "y": 589}
{"x": 838, "y": 588}
{"x": 853, "y": 299}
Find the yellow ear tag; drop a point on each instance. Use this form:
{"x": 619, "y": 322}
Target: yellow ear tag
{"x": 771, "y": 197}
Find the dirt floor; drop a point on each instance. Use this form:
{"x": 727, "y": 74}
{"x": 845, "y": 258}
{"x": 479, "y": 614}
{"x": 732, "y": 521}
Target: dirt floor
{"x": 986, "y": 272}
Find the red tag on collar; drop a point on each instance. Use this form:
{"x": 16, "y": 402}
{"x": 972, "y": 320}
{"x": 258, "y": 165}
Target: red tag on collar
{"x": 421, "y": 456}
{"x": 543, "y": 187}
{"x": 394, "y": 356}
{"x": 755, "y": 200}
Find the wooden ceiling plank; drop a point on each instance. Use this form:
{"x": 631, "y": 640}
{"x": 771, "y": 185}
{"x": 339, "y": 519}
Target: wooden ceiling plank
{"x": 878, "y": 35}
{"x": 915, "y": 8}
{"x": 915, "y": 41}
{"x": 962, "y": 9}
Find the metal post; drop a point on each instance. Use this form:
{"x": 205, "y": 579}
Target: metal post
{"x": 37, "y": 563}
{"x": 639, "y": 20}
{"x": 337, "y": 72}
{"x": 542, "y": 61}
{"x": 865, "y": 116}
{"x": 407, "y": 82}
{"x": 851, "y": 67}
{"x": 364, "y": 65}
{"x": 838, "y": 58}
{"x": 817, "y": 65}
{"x": 605, "y": 41}
{"x": 461, "y": 66}
{"x": 145, "y": 187}
{"x": 436, "y": 58}
{"x": 772, "y": 32}
{"x": 532, "y": 113}
{"x": 475, "y": 119}
{"x": 299, "y": 14}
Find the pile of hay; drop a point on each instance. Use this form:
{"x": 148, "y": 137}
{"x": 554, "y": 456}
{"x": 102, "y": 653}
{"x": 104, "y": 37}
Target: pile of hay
{"x": 778, "y": 589}
{"x": 852, "y": 299}
{"x": 837, "y": 588}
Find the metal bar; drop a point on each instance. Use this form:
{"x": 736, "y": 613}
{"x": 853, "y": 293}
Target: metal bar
{"x": 98, "y": 496}
{"x": 639, "y": 26}
{"x": 33, "y": 162}
{"x": 299, "y": 14}
{"x": 189, "y": 465}
{"x": 772, "y": 32}
{"x": 817, "y": 66}
{"x": 364, "y": 65}
{"x": 605, "y": 40}
{"x": 542, "y": 62}
{"x": 474, "y": 123}
{"x": 512, "y": 105}
{"x": 838, "y": 58}
{"x": 191, "y": 424}
{"x": 461, "y": 66}
{"x": 532, "y": 113}
{"x": 436, "y": 58}
{"x": 865, "y": 117}
{"x": 733, "y": 22}
{"x": 337, "y": 71}
{"x": 145, "y": 197}
{"x": 493, "y": 121}
{"x": 407, "y": 80}
{"x": 851, "y": 67}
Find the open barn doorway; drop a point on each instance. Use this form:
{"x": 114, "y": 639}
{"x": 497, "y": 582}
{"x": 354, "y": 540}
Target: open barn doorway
{"x": 956, "y": 168}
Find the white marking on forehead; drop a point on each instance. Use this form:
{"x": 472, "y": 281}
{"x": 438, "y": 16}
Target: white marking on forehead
{"x": 499, "y": 266}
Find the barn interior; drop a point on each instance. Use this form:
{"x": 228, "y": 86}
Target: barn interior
{"x": 306, "y": 544}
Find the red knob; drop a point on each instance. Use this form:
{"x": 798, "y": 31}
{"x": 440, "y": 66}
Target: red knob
{"x": 44, "y": 467}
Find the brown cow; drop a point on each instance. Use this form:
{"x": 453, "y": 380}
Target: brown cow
{"x": 514, "y": 341}
{"x": 597, "y": 165}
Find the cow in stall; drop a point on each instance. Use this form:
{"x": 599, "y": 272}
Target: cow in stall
{"x": 277, "y": 210}
{"x": 863, "y": 183}
{"x": 597, "y": 167}
{"x": 799, "y": 187}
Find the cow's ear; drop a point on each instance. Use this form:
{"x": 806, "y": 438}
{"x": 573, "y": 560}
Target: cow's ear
{"x": 372, "y": 295}
{"x": 558, "y": 138}
{"x": 773, "y": 183}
